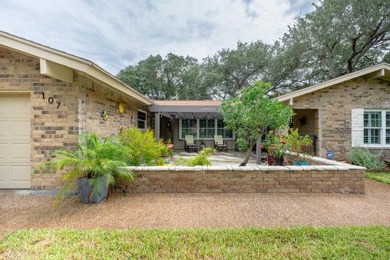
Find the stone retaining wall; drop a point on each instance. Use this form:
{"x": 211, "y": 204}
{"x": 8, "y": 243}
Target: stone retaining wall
{"x": 336, "y": 178}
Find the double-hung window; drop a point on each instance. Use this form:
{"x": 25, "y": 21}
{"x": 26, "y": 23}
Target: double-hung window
{"x": 204, "y": 128}
{"x": 141, "y": 120}
{"x": 221, "y": 130}
{"x": 188, "y": 127}
{"x": 376, "y": 131}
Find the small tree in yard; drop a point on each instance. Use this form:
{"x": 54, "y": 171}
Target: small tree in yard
{"x": 250, "y": 114}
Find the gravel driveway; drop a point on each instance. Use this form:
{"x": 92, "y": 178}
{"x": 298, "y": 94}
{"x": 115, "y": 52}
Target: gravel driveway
{"x": 199, "y": 210}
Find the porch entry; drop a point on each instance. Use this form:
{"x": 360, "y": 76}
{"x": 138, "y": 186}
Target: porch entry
{"x": 174, "y": 119}
{"x": 307, "y": 122}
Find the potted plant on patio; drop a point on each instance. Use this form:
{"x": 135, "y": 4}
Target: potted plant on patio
{"x": 276, "y": 147}
{"x": 94, "y": 164}
{"x": 296, "y": 144}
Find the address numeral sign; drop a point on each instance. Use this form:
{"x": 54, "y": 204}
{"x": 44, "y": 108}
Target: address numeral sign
{"x": 51, "y": 100}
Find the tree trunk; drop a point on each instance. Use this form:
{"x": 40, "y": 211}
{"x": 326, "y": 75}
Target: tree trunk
{"x": 247, "y": 156}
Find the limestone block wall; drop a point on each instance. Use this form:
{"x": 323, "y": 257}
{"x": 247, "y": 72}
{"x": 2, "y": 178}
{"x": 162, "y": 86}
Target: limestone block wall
{"x": 336, "y": 178}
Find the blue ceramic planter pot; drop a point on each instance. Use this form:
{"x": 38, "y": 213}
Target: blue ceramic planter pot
{"x": 300, "y": 163}
{"x": 85, "y": 188}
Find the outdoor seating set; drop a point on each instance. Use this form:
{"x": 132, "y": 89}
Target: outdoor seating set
{"x": 191, "y": 146}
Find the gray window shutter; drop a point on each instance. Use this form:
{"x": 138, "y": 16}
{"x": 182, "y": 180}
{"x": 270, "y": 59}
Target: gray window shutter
{"x": 357, "y": 127}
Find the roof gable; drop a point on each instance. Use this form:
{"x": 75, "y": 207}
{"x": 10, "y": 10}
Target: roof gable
{"x": 381, "y": 70}
{"x": 185, "y": 106}
{"x": 49, "y": 56}
{"x": 211, "y": 103}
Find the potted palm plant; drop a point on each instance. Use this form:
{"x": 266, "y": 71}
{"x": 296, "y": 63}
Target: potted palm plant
{"x": 94, "y": 165}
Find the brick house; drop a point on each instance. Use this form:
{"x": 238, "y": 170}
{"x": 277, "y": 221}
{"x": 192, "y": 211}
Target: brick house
{"x": 351, "y": 110}
{"x": 46, "y": 98}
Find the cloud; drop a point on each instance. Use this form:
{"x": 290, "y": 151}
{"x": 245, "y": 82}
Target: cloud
{"x": 117, "y": 33}
{"x": 300, "y": 7}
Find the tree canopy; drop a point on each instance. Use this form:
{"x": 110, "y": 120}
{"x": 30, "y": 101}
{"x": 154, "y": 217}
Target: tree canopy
{"x": 338, "y": 37}
{"x": 251, "y": 113}
{"x": 172, "y": 77}
{"x": 228, "y": 71}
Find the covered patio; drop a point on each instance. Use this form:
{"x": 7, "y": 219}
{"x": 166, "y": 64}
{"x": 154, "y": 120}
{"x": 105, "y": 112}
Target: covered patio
{"x": 173, "y": 119}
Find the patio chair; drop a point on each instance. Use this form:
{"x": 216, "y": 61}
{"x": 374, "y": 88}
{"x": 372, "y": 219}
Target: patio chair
{"x": 219, "y": 145}
{"x": 190, "y": 145}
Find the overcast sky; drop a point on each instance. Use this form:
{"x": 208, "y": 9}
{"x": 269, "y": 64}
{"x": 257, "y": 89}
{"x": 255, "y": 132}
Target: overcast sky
{"x": 118, "y": 33}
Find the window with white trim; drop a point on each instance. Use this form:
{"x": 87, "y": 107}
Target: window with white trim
{"x": 376, "y": 128}
{"x": 204, "y": 128}
{"x": 221, "y": 130}
{"x": 188, "y": 127}
{"x": 141, "y": 120}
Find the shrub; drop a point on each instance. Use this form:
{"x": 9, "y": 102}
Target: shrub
{"x": 181, "y": 162}
{"x": 296, "y": 142}
{"x": 363, "y": 157}
{"x": 201, "y": 159}
{"x": 166, "y": 148}
{"x": 142, "y": 145}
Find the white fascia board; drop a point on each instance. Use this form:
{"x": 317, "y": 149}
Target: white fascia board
{"x": 71, "y": 61}
{"x": 332, "y": 82}
{"x": 183, "y": 109}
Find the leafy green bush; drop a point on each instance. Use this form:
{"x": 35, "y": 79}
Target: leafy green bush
{"x": 143, "y": 147}
{"x": 363, "y": 157}
{"x": 180, "y": 162}
{"x": 166, "y": 148}
{"x": 202, "y": 158}
{"x": 296, "y": 143}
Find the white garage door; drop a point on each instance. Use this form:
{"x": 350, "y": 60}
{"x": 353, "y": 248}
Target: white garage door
{"x": 15, "y": 167}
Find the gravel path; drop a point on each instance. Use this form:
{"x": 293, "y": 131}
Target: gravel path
{"x": 199, "y": 210}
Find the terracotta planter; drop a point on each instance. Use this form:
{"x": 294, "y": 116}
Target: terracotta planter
{"x": 271, "y": 160}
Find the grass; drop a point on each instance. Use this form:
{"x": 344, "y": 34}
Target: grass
{"x": 379, "y": 176}
{"x": 229, "y": 243}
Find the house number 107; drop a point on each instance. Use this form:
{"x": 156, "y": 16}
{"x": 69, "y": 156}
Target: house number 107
{"x": 51, "y": 100}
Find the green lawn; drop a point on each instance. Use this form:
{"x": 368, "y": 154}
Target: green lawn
{"x": 379, "y": 176}
{"x": 230, "y": 243}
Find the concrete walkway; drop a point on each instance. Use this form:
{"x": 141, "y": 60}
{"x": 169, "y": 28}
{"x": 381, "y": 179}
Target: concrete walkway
{"x": 220, "y": 158}
{"x": 19, "y": 211}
